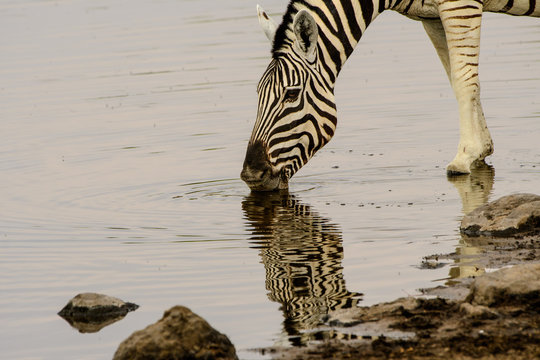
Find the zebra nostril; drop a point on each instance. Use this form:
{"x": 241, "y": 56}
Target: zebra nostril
{"x": 256, "y": 164}
{"x": 246, "y": 174}
{"x": 258, "y": 172}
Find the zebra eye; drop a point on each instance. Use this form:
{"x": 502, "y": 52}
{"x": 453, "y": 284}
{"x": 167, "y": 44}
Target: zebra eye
{"x": 291, "y": 95}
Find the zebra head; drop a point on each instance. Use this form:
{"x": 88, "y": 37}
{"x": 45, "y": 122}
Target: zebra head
{"x": 296, "y": 113}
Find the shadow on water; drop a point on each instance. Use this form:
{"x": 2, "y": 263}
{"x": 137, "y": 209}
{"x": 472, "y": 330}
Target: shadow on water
{"x": 474, "y": 188}
{"x": 302, "y": 253}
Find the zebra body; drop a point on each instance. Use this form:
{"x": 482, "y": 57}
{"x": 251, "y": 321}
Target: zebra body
{"x": 296, "y": 109}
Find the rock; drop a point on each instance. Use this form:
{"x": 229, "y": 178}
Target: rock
{"x": 477, "y": 311}
{"x": 518, "y": 284}
{"x": 457, "y": 292}
{"x": 510, "y": 215}
{"x": 90, "y": 312}
{"x": 179, "y": 334}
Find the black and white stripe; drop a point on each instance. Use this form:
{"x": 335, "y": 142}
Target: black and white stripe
{"x": 292, "y": 136}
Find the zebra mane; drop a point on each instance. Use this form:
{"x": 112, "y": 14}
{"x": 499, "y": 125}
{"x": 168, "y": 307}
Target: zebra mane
{"x": 281, "y": 39}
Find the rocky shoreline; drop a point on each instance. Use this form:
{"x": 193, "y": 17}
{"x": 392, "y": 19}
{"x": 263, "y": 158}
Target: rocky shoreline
{"x": 498, "y": 318}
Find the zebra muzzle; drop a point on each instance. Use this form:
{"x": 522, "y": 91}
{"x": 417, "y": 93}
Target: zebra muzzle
{"x": 263, "y": 181}
{"x": 258, "y": 173}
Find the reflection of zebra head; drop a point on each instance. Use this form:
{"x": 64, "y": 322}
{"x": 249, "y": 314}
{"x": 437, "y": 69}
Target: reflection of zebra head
{"x": 296, "y": 111}
{"x": 302, "y": 253}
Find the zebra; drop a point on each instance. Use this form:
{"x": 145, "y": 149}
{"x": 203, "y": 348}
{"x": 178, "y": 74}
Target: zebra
{"x": 296, "y": 113}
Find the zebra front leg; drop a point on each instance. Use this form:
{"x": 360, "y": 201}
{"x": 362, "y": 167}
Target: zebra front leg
{"x": 461, "y": 21}
{"x": 435, "y": 30}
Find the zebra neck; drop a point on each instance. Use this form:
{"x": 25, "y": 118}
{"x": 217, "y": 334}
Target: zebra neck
{"x": 341, "y": 25}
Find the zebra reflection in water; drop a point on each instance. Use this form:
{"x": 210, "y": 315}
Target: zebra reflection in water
{"x": 301, "y": 253}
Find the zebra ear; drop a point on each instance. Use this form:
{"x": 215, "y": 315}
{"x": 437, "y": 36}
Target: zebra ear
{"x": 268, "y": 25}
{"x": 306, "y": 31}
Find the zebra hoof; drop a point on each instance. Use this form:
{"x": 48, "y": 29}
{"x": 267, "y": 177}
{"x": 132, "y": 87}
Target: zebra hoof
{"x": 451, "y": 172}
{"x": 457, "y": 167}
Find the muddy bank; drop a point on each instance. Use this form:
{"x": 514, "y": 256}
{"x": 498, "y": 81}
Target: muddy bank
{"x": 493, "y": 316}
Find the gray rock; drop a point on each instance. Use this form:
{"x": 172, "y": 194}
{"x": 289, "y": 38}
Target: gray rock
{"x": 477, "y": 311}
{"x": 90, "y": 312}
{"x": 179, "y": 334}
{"x": 518, "y": 284}
{"x": 508, "y": 216}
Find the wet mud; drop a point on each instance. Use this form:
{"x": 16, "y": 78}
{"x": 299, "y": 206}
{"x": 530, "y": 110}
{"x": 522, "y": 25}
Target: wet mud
{"x": 442, "y": 332}
{"x": 447, "y": 322}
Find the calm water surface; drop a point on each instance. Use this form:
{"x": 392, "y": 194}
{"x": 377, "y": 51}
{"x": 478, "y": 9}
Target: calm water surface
{"x": 124, "y": 126}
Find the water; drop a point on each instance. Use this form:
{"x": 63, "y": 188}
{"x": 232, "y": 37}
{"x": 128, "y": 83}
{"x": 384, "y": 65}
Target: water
{"x": 124, "y": 126}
